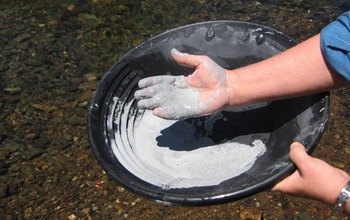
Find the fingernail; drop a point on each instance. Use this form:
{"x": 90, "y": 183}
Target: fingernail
{"x": 175, "y": 51}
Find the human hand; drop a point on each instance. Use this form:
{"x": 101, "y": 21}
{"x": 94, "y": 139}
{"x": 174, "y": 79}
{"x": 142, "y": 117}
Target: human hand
{"x": 313, "y": 178}
{"x": 177, "y": 97}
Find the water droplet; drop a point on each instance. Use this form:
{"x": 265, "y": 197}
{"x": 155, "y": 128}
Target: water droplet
{"x": 210, "y": 34}
{"x": 260, "y": 39}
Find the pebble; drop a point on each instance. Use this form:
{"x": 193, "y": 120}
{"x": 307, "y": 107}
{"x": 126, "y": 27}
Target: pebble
{"x": 86, "y": 211}
{"x": 88, "y": 86}
{"x": 135, "y": 201}
{"x": 347, "y": 150}
{"x": 85, "y": 96}
{"x": 94, "y": 208}
{"x": 4, "y": 153}
{"x": 119, "y": 208}
{"x": 44, "y": 107}
{"x": 42, "y": 81}
{"x": 305, "y": 215}
{"x": 15, "y": 167}
{"x": 72, "y": 217}
{"x": 32, "y": 136}
{"x": 12, "y": 91}
{"x": 121, "y": 189}
{"x": 251, "y": 214}
{"x": 3, "y": 190}
{"x": 83, "y": 104}
{"x": 34, "y": 152}
{"x": 90, "y": 77}
{"x": 13, "y": 147}
{"x": 339, "y": 164}
{"x": 244, "y": 18}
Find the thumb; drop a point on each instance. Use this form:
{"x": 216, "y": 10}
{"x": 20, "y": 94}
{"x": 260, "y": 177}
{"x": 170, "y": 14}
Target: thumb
{"x": 185, "y": 59}
{"x": 298, "y": 154}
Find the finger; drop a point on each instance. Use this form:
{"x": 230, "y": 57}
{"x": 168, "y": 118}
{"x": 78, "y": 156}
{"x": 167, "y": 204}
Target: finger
{"x": 193, "y": 80}
{"x": 159, "y": 90}
{"x": 148, "y": 104}
{"x": 143, "y": 94}
{"x": 146, "y": 82}
{"x": 287, "y": 185}
{"x": 165, "y": 113}
{"x": 150, "y": 81}
{"x": 185, "y": 59}
{"x": 159, "y": 112}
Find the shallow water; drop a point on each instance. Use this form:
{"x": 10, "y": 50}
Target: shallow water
{"x": 53, "y": 54}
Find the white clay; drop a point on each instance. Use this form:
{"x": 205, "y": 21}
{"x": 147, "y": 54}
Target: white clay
{"x": 169, "y": 150}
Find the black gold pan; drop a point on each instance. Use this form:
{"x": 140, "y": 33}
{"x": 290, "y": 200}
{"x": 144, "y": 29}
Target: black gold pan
{"x": 113, "y": 115}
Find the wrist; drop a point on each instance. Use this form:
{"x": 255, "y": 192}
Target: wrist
{"x": 233, "y": 89}
{"x": 342, "y": 203}
{"x": 245, "y": 87}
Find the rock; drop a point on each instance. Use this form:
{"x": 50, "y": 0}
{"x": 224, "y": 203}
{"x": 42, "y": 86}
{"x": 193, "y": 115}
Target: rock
{"x": 58, "y": 92}
{"x": 4, "y": 153}
{"x": 72, "y": 217}
{"x": 43, "y": 107}
{"x": 13, "y": 90}
{"x": 13, "y": 147}
{"x": 15, "y": 167}
{"x": 89, "y": 19}
{"x": 244, "y": 18}
{"x": 3, "y": 190}
{"x": 347, "y": 150}
{"x": 86, "y": 211}
{"x": 119, "y": 208}
{"x": 32, "y": 136}
{"x": 306, "y": 215}
{"x": 58, "y": 114}
{"x": 339, "y": 164}
{"x": 88, "y": 86}
{"x": 34, "y": 152}
{"x": 251, "y": 214}
{"x": 85, "y": 96}
{"x": 90, "y": 77}
{"x": 94, "y": 208}
{"x": 83, "y": 104}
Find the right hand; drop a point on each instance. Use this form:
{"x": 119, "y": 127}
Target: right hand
{"x": 313, "y": 178}
{"x": 203, "y": 92}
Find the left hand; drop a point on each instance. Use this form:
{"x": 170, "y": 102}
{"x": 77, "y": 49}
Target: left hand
{"x": 177, "y": 97}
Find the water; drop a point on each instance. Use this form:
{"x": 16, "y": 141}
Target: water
{"x": 53, "y": 54}
{"x": 170, "y": 150}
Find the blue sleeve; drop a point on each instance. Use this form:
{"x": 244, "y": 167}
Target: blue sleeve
{"x": 335, "y": 45}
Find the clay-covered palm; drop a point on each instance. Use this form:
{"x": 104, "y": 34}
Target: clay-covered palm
{"x": 177, "y": 97}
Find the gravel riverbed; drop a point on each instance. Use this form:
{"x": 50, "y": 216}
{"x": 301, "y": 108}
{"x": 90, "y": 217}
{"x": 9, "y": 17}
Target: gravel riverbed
{"x": 53, "y": 54}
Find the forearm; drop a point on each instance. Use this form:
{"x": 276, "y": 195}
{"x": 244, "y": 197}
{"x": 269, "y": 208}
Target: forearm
{"x": 298, "y": 71}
